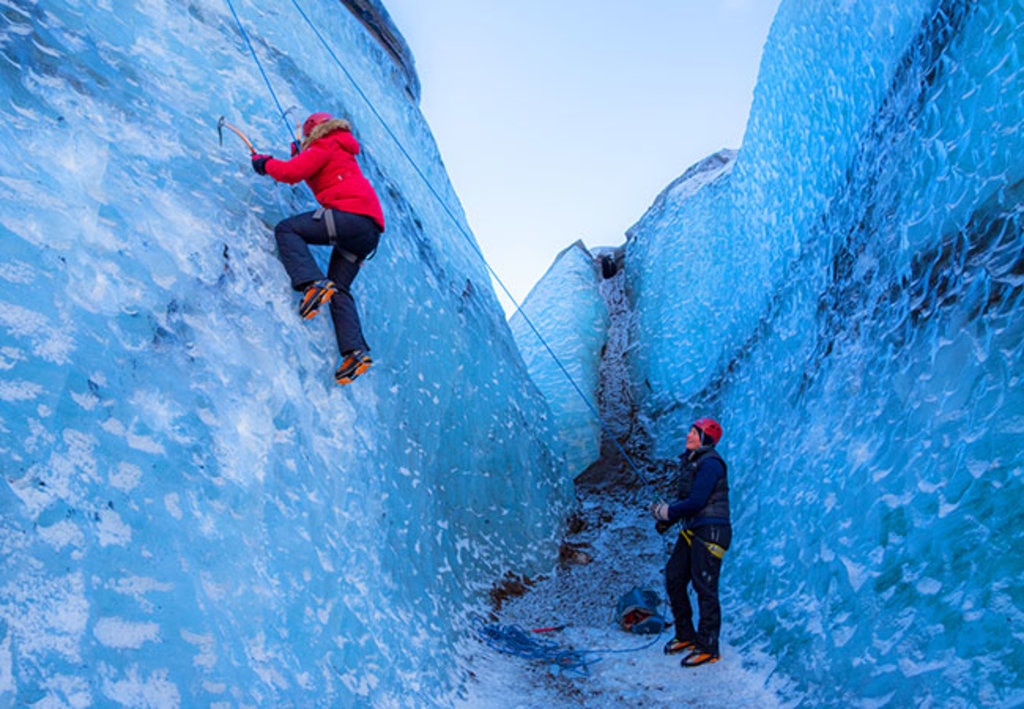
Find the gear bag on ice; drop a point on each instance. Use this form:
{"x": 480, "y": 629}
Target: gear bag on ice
{"x": 638, "y": 612}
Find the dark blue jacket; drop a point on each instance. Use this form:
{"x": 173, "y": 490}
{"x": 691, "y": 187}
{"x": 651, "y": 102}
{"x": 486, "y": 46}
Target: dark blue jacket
{"x": 703, "y": 495}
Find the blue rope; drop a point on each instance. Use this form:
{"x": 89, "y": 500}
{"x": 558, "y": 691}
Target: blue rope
{"x": 259, "y": 65}
{"x": 444, "y": 205}
{"x": 515, "y": 641}
{"x": 473, "y": 244}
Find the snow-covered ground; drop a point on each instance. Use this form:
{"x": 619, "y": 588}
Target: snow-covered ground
{"x": 623, "y": 670}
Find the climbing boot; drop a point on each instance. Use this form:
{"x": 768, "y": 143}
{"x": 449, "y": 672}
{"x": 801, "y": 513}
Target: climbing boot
{"x": 699, "y": 657}
{"x": 675, "y": 645}
{"x": 351, "y": 366}
{"x": 316, "y": 294}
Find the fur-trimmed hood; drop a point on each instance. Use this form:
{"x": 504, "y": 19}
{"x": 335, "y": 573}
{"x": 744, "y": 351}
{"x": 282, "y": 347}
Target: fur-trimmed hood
{"x": 324, "y": 128}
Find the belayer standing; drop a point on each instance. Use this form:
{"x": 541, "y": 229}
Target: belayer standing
{"x": 702, "y": 505}
{"x": 349, "y": 218}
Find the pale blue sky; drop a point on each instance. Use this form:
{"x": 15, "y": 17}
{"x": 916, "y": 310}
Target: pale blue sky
{"x": 563, "y": 119}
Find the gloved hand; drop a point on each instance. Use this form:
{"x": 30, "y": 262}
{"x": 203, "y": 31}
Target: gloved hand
{"x": 662, "y": 527}
{"x": 659, "y": 510}
{"x": 259, "y": 163}
{"x": 295, "y": 148}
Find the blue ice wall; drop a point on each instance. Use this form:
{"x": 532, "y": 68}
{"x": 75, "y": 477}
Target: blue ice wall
{"x": 191, "y": 512}
{"x": 665, "y": 255}
{"x": 852, "y": 295}
{"x": 561, "y": 329}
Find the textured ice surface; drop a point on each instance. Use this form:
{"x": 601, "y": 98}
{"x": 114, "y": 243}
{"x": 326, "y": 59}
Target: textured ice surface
{"x": 560, "y": 329}
{"x": 847, "y": 300}
{"x": 191, "y": 512}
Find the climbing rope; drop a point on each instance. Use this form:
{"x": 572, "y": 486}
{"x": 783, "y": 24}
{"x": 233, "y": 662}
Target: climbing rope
{"x": 259, "y": 65}
{"x": 514, "y": 640}
{"x": 447, "y": 210}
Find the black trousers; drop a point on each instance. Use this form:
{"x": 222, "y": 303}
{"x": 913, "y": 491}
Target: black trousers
{"x": 692, "y": 563}
{"x": 357, "y": 235}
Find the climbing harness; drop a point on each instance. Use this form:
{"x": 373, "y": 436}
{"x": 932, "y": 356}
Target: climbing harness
{"x": 508, "y": 639}
{"x": 586, "y": 400}
{"x": 715, "y": 550}
{"x": 327, "y": 215}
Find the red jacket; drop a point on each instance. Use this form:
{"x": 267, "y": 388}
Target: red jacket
{"x": 329, "y": 167}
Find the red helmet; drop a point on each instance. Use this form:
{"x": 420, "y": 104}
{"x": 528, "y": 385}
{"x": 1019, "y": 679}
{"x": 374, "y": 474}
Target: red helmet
{"x": 313, "y": 121}
{"x": 710, "y": 428}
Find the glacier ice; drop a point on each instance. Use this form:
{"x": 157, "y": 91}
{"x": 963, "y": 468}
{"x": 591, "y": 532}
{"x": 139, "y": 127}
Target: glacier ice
{"x": 561, "y": 328}
{"x": 191, "y": 512}
{"x": 846, "y": 299}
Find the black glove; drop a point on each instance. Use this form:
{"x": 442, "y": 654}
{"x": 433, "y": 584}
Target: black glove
{"x": 259, "y": 163}
{"x": 661, "y": 527}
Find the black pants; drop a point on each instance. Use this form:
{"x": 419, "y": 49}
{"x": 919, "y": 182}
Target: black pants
{"x": 694, "y": 564}
{"x": 357, "y": 235}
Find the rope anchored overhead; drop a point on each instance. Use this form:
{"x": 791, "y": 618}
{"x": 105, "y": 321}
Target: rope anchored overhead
{"x": 458, "y": 224}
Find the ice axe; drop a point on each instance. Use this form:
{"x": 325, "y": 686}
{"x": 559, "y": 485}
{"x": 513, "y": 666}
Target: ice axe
{"x": 223, "y": 123}
{"x": 298, "y": 125}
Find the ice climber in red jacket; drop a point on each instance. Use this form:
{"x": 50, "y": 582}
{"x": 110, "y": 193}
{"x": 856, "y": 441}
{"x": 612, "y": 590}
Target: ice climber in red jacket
{"x": 349, "y": 219}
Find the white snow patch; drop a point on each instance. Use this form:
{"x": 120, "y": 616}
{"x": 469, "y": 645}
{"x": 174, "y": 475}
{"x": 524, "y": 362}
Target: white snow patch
{"x": 50, "y": 343}
{"x": 855, "y": 572}
{"x": 113, "y": 530}
{"x": 19, "y": 391}
{"x": 6, "y": 666}
{"x": 154, "y": 692}
{"x": 206, "y": 658}
{"x": 172, "y": 502}
{"x": 123, "y": 634}
{"x": 62, "y": 534}
{"x": 126, "y": 478}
